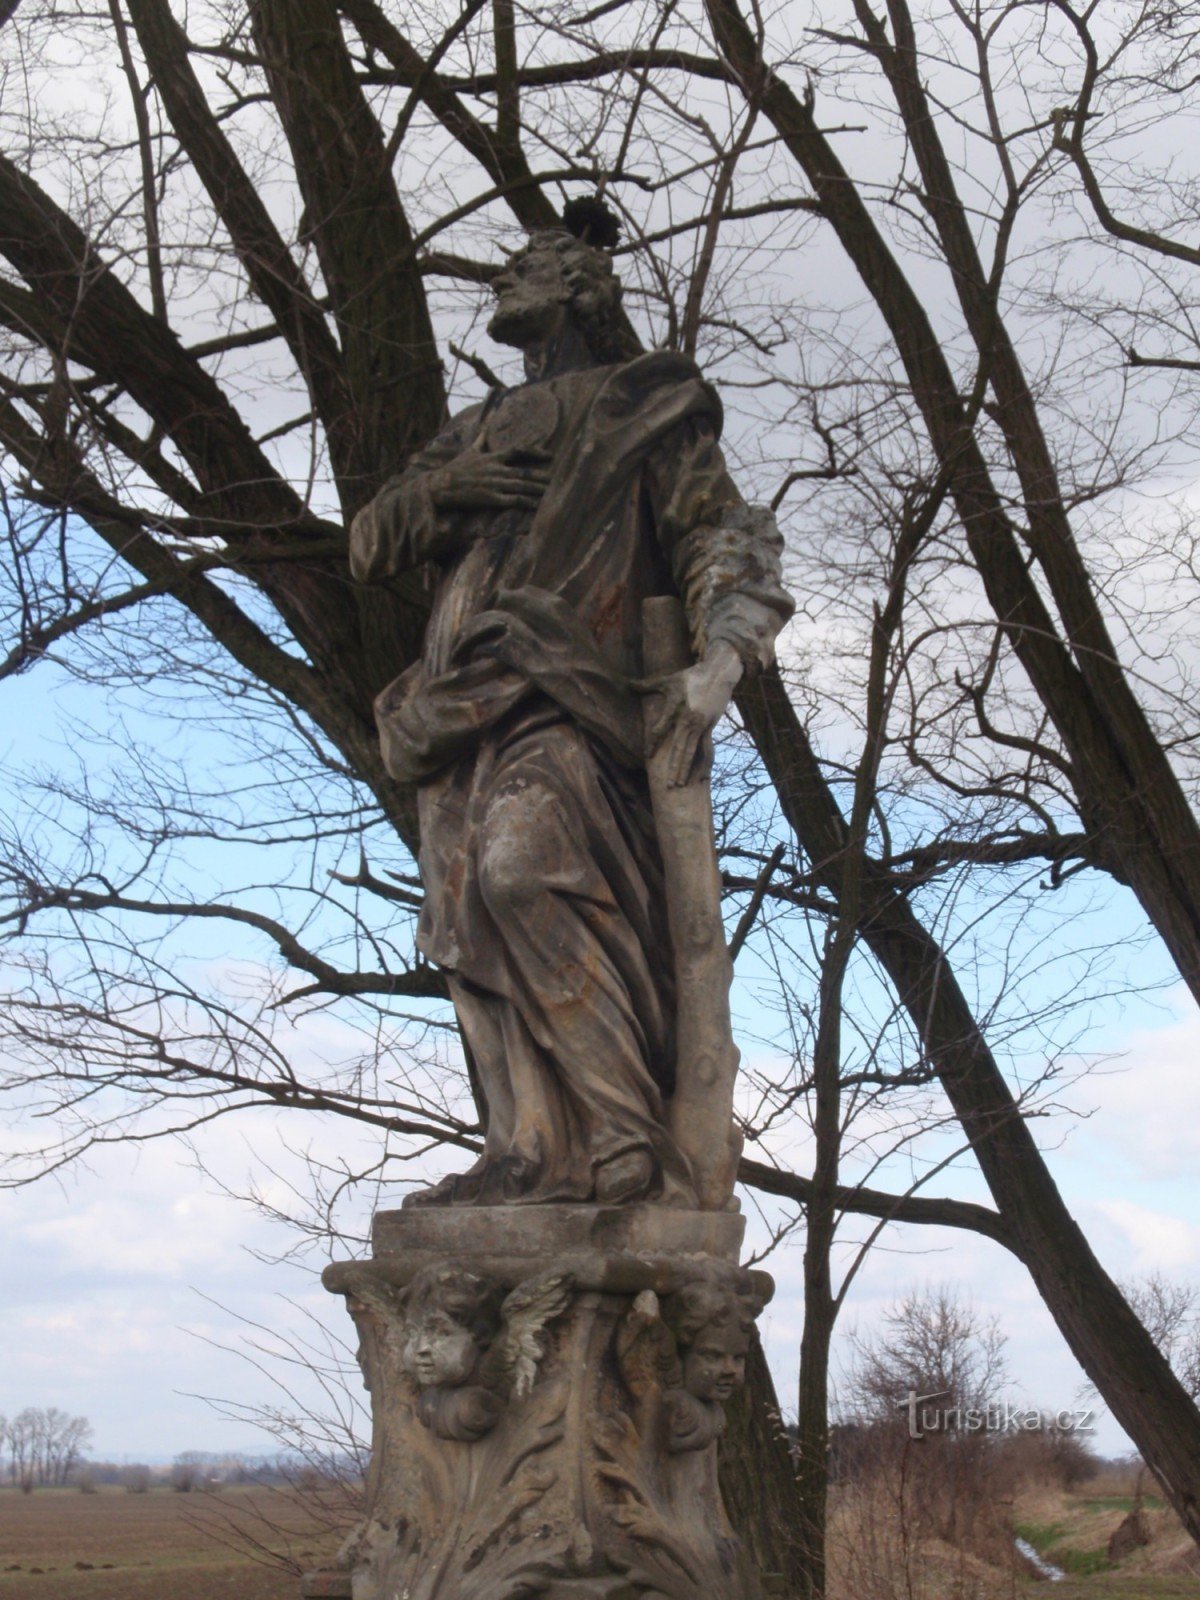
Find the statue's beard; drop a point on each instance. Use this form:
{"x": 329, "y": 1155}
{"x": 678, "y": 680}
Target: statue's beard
{"x": 520, "y": 322}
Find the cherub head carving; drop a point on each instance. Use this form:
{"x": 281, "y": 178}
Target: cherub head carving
{"x": 450, "y": 1318}
{"x": 468, "y": 1347}
{"x": 712, "y": 1323}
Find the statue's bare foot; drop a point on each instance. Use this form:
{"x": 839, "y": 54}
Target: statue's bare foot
{"x": 457, "y": 1189}
{"x": 625, "y": 1178}
{"x": 507, "y": 1181}
{"x": 438, "y": 1194}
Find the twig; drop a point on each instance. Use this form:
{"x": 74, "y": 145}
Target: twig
{"x": 757, "y": 895}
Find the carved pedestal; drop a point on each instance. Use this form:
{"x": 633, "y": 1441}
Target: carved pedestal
{"x": 546, "y": 1386}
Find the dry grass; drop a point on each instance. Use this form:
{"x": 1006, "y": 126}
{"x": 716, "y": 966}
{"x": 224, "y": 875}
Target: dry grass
{"x": 880, "y": 1550}
{"x": 57, "y": 1544}
{"x": 903, "y": 1531}
{"x": 1073, "y": 1531}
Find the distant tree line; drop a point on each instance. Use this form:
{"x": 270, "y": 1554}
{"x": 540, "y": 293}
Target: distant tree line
{"x": 209, "y": 1471}
{"x": 43, "y": 1445}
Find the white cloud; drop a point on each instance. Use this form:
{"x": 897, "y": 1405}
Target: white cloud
{"x": 123, "y": 1282}
{"x": 120, "y": 1232}
{"x": 1159, "y": 1242}
{"x": 104, "y": 1274}
{"x": 1147, "y": 1106}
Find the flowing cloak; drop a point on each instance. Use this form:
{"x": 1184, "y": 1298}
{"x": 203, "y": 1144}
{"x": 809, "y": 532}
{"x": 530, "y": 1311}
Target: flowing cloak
{"x": 523, "y": 687}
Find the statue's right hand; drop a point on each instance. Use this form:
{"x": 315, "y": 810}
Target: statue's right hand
{"x": 475, "y": 481}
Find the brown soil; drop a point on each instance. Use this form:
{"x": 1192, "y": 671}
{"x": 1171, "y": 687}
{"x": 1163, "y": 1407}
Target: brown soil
{"x": 59, "y": 1544}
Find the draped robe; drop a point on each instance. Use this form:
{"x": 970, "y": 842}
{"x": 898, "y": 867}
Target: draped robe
{"x": 522, "y": 729}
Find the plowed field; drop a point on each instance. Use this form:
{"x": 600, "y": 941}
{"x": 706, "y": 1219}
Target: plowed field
{"x": 59, "y": 1544}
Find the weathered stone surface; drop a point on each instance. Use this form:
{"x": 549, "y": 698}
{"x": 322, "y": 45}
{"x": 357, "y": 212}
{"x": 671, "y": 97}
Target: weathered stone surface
{"x": 550, "y": 514}
{"x": 614, "y": 1249}
{"x": 700, "y": 1111}
{"x": 535, "y": 1231}
{"x": 549, "y": 1338}
{"x": 548, "y": 1440}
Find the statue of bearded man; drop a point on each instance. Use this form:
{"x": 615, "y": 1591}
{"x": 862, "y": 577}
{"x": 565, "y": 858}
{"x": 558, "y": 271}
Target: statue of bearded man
{"x": 549, "y": 513}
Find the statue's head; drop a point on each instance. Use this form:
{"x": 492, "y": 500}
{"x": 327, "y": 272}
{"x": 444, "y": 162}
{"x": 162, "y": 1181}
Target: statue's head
{"x": 450, "y": 1318}
{"x": 565, "y": 275}
{"x": 712, "y": 1323}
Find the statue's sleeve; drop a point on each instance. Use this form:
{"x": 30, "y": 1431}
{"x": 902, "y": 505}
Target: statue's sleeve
{"x": 401, "y": 527}
{"x": 724, "y": 554}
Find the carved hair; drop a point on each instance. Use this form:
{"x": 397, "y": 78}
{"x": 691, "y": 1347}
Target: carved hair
{"x": 471, "y": 1301}
{"x": 703, "y": 1304}
{"x": 593, "y": 291}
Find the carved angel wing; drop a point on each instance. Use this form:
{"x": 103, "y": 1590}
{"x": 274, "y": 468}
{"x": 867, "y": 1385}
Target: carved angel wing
{"x": 512, "y": 1362}
{"x": 646, "y": 1353}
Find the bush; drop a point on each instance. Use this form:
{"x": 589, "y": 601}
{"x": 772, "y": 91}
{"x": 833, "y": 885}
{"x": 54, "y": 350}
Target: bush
{"x": 1052, "y": 1456}
{"x": 136, "y": 1479}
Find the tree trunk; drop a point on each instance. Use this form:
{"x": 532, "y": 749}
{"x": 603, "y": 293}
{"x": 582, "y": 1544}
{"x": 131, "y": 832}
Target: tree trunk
{"x": 758, "y": 1477}
{"x": 812, "y": 1442}
{"x": 820, "y": 1307}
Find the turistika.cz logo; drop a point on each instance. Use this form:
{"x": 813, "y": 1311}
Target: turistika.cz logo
{"x": 994, "y": 1417}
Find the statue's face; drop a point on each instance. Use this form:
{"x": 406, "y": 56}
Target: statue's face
{"x": 439, "y": 1352}
{"x": 714, "y": 1365}
{"x": 531, "y": 300}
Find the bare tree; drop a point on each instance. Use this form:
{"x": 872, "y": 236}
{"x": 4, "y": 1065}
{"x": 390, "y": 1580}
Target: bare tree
{"x": 927, "y": 1447}
{"x": 241, "y": 285}
{"x": 45, "y": 1445}
{"x": 931, "y": 1344}
{"x": 927, "y": 1384}
{"x": 22, "y": 1449}
{"x": 1170, "y": 1312}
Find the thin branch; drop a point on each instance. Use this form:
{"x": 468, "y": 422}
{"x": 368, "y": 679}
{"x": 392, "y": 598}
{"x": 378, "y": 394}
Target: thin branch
{"x": 927, "y": 1210}
{"x": 757, "y": 895}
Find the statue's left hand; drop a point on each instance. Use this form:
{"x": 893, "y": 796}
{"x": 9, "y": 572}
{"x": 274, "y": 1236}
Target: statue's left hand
{"x": 688, "y": 705}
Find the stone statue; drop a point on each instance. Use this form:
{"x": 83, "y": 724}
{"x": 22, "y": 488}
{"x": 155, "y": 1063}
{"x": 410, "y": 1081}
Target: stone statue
{"x": 546, "y": 1435}
{"x": 550, "y": 1338}
{"x": 548, "y": 514}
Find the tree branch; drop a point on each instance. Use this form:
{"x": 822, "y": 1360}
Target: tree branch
{"x": 421, "y": 981}
{"x": 507, "y": 167}
{"x": 274, "y": 276}
{"x": 603, "y": 64}
{"x": 357, "y": 223}
{"x": 925, "y": 1210}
